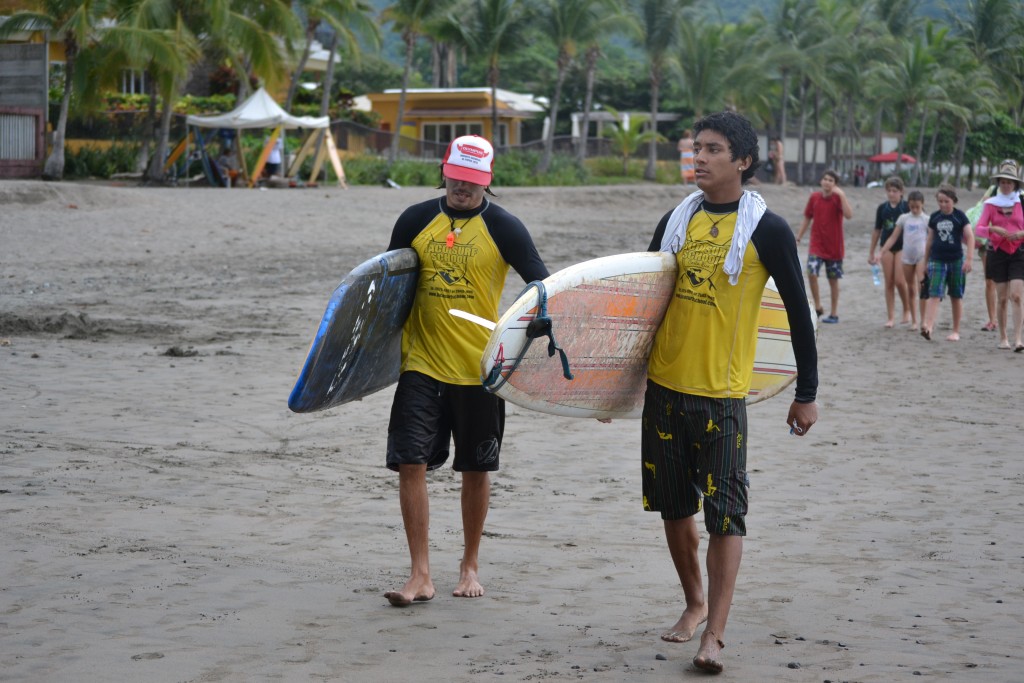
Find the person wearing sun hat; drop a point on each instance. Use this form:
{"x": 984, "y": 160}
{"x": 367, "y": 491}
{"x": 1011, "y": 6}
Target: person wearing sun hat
{"x": 1003, "y": 217}
{"x": 466, "y": 244}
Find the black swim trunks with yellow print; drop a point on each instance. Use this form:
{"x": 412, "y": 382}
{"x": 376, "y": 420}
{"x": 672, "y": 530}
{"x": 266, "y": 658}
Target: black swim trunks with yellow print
{"x": 695, "y": 451}
{"x": 464, "y": 259}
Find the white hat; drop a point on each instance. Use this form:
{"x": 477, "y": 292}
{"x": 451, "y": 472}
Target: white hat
{"x": 469, "y": 158}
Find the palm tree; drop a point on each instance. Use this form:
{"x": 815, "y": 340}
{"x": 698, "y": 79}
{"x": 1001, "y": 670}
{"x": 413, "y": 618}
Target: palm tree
{"x": 76, "y": 23}
{"x": 247, "y": 33}
{"x": 615, "y": 20}
{"x": 912, "y": 81}
{"x": 626, "y": 139}
{"x": 149, "y": 35}
{"x": 348, "y": 18}
{"x": 493, "y": 30}
{"x": 568, "y": 24}
{"x": 780, "y": 46}
{"x": 994, "y": 31}
{"x": 717, "y": 70}
{"x": 660, "y": 22}
{"x": 410, "y": 18}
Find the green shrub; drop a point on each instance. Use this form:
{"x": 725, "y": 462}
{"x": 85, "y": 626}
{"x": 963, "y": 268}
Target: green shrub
{"x": 366, "y": 170}
{"x": 608, "y": 171}
{"x": 93, "y": 162}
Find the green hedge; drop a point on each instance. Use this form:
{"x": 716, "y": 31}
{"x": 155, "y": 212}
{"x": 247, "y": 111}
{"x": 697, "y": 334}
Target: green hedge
{"x": 512, "y": 169}
{"x": 92, "y": 162}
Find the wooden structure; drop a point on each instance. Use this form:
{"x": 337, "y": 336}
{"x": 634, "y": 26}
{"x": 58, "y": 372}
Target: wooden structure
{"x": 23, "y": 101}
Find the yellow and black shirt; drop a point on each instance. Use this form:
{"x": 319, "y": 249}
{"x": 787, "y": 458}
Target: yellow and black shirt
{"x": 464, "y": 258}
{"x": 706, "y": 344}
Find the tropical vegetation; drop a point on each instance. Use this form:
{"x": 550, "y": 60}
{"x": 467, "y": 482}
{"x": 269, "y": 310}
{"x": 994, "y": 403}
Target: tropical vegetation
{"x": 947, "y": 77}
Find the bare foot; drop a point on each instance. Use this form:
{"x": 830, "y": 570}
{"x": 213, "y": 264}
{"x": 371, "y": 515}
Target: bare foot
{"x": 889, "y": 323}
{"x": 926, "y": 333}
{"x": 953, "y": 337}
{"x": 1005, "y": 344}
{"x": 915, "y": 328}
{"x": 707, "y": 658}
{"x": 686, "y": 626}
{"x": 469, "y": 583}
{"x": 412, "y": 591}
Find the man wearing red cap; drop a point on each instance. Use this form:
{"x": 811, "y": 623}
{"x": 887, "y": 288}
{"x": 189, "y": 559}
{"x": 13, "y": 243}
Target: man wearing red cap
{"x": 465, "y": 244}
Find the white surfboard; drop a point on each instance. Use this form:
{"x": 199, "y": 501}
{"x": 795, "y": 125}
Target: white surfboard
{"x": 605, "y": 313}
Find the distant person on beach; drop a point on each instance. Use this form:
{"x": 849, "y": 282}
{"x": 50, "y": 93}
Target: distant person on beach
{"x": 1003, "y": 217}
{"x": 694, "y": 430}
{"x": 824, "y": 215}
{"x": 227, "y": 165}
{"x": 465, "y": 244}
{"x": 949, "y": 230}
{"x": 889, "y": 258}
{"x": 981, "y": 245}
{"x": 686, "y": 157}
{"x": 860, "y": 176}
{"x": 777, "y": 159}
{"x": 912, "y": 229}
{"x": 276, "y": 157}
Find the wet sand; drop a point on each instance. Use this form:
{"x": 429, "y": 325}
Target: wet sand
{"x": 166, "y": 518}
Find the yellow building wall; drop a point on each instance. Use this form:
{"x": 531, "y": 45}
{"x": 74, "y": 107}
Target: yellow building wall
{"x": 386, "y": 104}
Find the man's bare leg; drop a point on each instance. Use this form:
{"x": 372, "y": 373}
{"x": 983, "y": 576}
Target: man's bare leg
{"x": 683, "y": 541}
{"x": 412, "y": 494}
{"x": 476, "y": 496}
{"x": 724, "y": 555}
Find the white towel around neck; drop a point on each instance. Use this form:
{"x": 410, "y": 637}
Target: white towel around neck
{"x": 752, "y": 207}
{"x": 1004, "y": 201}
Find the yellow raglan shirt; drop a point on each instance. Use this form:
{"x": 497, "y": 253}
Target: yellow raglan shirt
{"x": 707, "y": 341}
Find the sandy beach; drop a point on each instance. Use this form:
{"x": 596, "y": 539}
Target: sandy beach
{"x": 166, "y": 518}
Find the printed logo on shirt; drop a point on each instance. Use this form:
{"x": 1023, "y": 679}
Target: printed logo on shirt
{"x": 698, "y": 263}
{"x": 451, "y": 264}
{"x": 944, "y": 228}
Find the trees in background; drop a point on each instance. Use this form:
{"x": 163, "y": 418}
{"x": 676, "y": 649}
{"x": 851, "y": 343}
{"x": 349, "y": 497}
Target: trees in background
{"x": 828, "y": 72}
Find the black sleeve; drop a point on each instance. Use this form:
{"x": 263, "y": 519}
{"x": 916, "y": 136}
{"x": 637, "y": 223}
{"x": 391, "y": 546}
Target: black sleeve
{"x": 515, "y": 244}
{"x": 776, "y": 247}
{"x": 411, "y": 222}
{"x": 878, "y": 215}
{"x": 659, "y": 233}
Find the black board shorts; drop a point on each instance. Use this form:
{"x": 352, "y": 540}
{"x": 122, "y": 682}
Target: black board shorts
{"x": 427, "y": 414}
{"x": 694, "y": 453}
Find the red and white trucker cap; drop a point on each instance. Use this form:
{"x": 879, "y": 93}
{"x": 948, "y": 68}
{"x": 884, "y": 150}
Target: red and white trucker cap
{"x": 469, "y": 159}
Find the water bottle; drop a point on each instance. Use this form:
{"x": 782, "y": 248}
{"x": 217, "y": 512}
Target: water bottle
{"x": 876, "y": 274}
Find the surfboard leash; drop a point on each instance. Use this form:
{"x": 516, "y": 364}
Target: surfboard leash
{"x": 540, "y": 326}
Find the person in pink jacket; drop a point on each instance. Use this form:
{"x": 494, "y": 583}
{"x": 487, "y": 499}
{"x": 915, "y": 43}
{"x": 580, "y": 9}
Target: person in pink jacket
{"x": 1003, "y": 216}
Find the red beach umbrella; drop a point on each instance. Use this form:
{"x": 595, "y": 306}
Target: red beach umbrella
{"x": 890, "y": 158}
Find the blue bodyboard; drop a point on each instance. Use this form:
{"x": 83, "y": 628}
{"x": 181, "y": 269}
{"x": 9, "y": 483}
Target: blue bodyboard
{"x": 357, "y": 349}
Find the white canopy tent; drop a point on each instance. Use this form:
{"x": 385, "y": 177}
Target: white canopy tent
{"x": 261, "y": 111}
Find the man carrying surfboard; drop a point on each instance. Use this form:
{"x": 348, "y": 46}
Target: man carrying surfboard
{"x": 694, "y": 433}
{"x": 465, "y": 244}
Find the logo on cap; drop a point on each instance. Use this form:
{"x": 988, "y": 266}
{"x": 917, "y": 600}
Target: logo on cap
{"x": 472, "y": 151}
{"x": 469, "y": 159}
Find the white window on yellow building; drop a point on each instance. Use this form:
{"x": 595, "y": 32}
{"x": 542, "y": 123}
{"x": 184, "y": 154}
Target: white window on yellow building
{"x": 443, "y": 133}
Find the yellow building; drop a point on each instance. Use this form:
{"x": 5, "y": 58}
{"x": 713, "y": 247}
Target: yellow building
{"x": 441, "y": 114}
